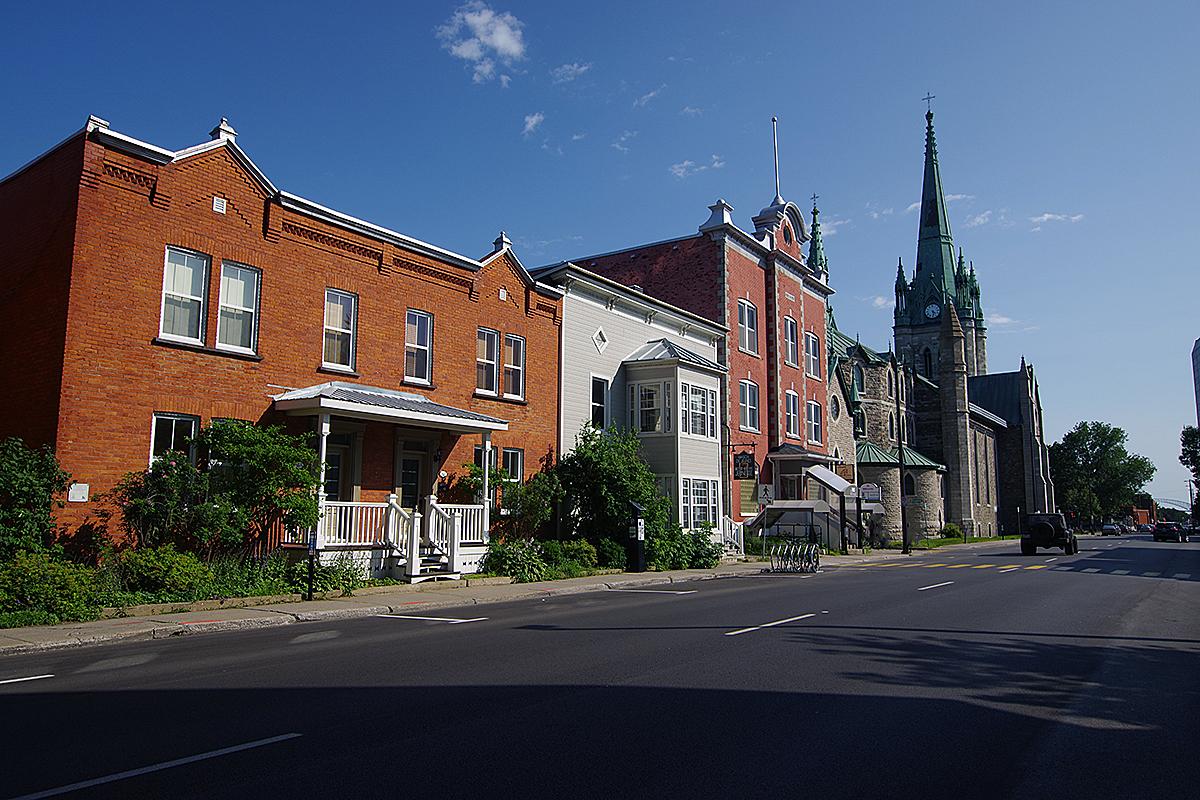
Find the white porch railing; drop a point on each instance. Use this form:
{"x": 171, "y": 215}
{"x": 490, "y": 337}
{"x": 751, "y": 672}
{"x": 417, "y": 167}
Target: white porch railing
{"x": 731, "y": 536}
{"x": 351, "y": 523}
{"x": 473, "y": 530}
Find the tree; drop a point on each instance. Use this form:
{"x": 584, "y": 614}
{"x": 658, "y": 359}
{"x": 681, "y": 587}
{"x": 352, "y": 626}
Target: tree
{"x": 1094, "y": 475}
{"x": 1189, "y": 450}
{"x": 30, "y": 480}
{"x": 603, "y": 477}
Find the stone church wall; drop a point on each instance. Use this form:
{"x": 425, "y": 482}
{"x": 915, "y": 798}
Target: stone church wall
{"x": 888, "y": 479}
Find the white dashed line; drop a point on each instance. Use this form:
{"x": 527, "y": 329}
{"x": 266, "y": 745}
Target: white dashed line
{"x": 769, "y": 624}
{"x": 654, "y": 591}
{"x": 27, "y": 678}
{"x": 1182, "y": 575}
{"x": 448, "y": 620}
{"x": 935, "y": 586}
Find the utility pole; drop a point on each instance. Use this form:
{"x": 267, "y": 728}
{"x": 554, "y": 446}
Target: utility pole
{"x": 907, "y": 549}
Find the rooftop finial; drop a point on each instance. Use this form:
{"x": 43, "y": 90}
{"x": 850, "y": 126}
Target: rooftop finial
{"x": 502, "y": 241}
{"x": 223, "y": 130}
{"x": 775, "y": 139}
{"x": 929, "y": 98}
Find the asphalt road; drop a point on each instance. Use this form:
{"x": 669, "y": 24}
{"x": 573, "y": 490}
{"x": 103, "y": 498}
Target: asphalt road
{"x": 980, "y": 673}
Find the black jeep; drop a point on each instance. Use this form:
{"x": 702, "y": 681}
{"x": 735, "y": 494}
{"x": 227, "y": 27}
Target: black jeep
{"x": 1047, "y": 530}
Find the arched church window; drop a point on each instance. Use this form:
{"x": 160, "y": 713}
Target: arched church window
{"x": 910, "y": 485}
{"x": 858, "y": 378}
{"x": 835, "y": 408}
{"x": 860, "y": 423}
{"x": 891, "y": 384}
{"x": 928, "y": 358}
{"x": 891, "y": 425}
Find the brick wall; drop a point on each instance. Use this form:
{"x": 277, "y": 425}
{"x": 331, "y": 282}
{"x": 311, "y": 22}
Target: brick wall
{"x": 115, "y": 377}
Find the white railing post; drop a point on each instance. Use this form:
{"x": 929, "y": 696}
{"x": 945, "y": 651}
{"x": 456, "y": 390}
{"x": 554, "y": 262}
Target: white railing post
{"x": 487, "y": 498}
{"x": 413, "y": 567}
{"x": 322, "y": 454}
{"x": 453, "y": 540}
{"x": 390, "y": 519}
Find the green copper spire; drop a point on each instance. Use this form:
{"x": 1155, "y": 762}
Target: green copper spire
{"x": 935, "y": 245}
{"x": 816, "y": 249}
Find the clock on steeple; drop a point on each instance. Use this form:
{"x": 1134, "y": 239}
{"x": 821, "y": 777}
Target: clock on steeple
{"x": 933, "y": 310}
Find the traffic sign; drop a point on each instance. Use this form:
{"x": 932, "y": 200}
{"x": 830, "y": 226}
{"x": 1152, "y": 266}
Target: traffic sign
{"x": 766, "y": 493}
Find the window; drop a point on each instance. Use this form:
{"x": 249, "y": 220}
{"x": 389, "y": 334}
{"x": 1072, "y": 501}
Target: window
{"x": 172, "y": 433}
{"x": 514, "y": 366}
{"x": 749, "y": 405}
{"x": 487, "y": 343}
{"x": 927, "y": 357}
{"x": 341, "y": 314}
{"x": 492, "y": 482}
{"x": 698, "y": 498}
{"x": 860, "y": 423}
{"x": 891, "y": 425}
{"x": 237, "y": 322}
{"x": 791, "y": 342}
{"x": 814, "y": 421}
{"x": 858, "y": 378}
{"x": 891, "y": 385}
{"x": 792, "y": 413}
{"x": 185, "y": 284}
{"x": 599, "y": 403}
{"x": 418, "y": 347}
{"x": 910, "y": 485}
{"x": 649, "y": 408}
{"x": 514, "y": 464}
{"x": 747, "y": 326}
{"x": 835, "y": 408}
{"x": 812, "y": 354}
{"x": 698, "y": 407}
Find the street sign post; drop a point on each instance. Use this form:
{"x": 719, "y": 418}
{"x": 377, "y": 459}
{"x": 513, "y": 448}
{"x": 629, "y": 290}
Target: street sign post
{"x": 766, "y": 494}
{"x": 312, "y": 558}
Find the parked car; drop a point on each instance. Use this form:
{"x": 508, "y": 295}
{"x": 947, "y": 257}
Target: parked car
{"x": 1169, "y": 532}
{"x": 1145, "y": 527}
{"x": 1110, "y": 529}
{"x": 1047, "y": 530}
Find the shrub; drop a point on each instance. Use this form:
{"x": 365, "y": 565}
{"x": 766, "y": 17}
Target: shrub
{"x": 171, "y": 504}
{"x": 951, "y": 531}
{"x": 610, "y": 554}
{"x": 37, "y": 587}
{"x": 704, "y": 553}
{"x": 521, "y": 559}
{"x": 343, "y": 573}
{"x": 530, "y": 505}
{"x": 29, "y": 481}
{"x": 679, "y": 549}
{"x": 164, "y": 573}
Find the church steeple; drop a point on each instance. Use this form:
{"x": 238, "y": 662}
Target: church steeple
{"x": 816, "y": 248}
{"x": 935, "y": 245}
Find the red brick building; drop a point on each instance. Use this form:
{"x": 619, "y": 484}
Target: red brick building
{"x": 149, "y": 291}
{"x": 760, "y": 286}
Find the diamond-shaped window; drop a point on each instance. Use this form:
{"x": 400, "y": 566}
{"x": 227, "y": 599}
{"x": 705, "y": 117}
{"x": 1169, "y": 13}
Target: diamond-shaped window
{"x": 600, "y": 340}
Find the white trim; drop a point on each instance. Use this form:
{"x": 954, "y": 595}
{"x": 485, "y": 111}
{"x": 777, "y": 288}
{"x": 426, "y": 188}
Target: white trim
{"x": 254, "y": 312}
{"x": 495, "y": 362}
{"x": 428, "y": 348}
{"x": 353, "y": 330}
{"x": 519, "y": 368}
{"x": 317, "y": 405}
{"x": 607, "y": 400}
{"x": 173, "y": 415}
{"x": 202, "y": 298}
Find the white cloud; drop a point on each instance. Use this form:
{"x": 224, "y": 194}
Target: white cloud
{"x": 1047, "y": 216}
{"x": 620, "y": 143}
{"x": 569, "y": 72}
{"x": 1006, "y": 324}
{"x": 687, "y": 168}
{"x": 829, "y": 226}
{"x": 875, "y": 213}
{"x": 979, "y": 219}
{"x": 648, "y": 96}
{"x": 532, "y": 121}
{"x": 691, "y": 111}
{"x": 950, "y": 198}
{"x": 481, "y": 36}
{"x": 912, "y": 207}
{"x": 575, "y": 137}
{"x": 877, "y": 301}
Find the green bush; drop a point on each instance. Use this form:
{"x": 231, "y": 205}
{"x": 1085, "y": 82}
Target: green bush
{"x": 164, "y": 573}
{"x": 610, "y": 554}
{"x": 951, "y": 531}
{"x": 29, "y": 481}
{"x": 38, "y": 587}
{"x": 679, "y": 549}
{"x": 522, "y": 559}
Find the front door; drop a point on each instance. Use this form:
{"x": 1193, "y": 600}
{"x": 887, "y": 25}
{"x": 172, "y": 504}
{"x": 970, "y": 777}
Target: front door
{"x": 337, "y": 472}
{"x": 410, "y": 482}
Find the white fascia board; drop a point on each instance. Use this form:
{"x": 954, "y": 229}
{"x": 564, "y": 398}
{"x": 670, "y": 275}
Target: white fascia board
{"x": 305, "y": 206}
{"x": 639, "y": 300}
{"x": 986, "y": 415}
{"x": 128, "y": 144}
{"x": 526, "y": 276}
{"x": 317, "y": 405}
{"x": 548, "y": 289}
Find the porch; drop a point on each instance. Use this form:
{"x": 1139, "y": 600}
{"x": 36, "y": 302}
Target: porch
{"x": 386, "y": 495}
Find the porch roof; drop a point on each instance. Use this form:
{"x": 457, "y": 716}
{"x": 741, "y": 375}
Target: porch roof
{"x": 386, "y": 405}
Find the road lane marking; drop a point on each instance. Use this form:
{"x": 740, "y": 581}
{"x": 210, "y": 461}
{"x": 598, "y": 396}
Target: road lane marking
{"x": 1048, "y": 560}
{"x": 1092, "y": 569}
{"x": 449, "y": 620}
{"x": 27, "y": 678}
{"x": 982, "y": 566}
{"x": 654, "y": 591}
{"x": 1120, "y": 572}
{"x": 930, "y": 566}
{"x": 1151, "y": 574}
{"x": 1009, "y": 569}
{"x": 769, "y": 624}
{"x": 935, "y": 586}
{"x": 958, "y": 566}
{"x": 1182, "y": 575}
{"x": 1037, "y": 566}
{"x": 178, "y": 762}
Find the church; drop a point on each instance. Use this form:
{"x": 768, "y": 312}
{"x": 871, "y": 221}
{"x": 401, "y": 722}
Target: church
{"x": 971, "y": 441}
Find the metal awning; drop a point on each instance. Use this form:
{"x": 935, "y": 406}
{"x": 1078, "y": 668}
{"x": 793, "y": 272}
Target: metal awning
{"x": 830, "y": 478}
{"x": 384, "y": 405}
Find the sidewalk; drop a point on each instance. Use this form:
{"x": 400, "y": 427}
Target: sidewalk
{"x": 403, "y": 599}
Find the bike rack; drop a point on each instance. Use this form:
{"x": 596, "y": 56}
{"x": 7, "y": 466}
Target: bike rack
{"x": 794, "y": 557}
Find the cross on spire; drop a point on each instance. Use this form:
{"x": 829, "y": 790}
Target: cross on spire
{"x": 814, "y": 199}
{"x": 929, "y": 98}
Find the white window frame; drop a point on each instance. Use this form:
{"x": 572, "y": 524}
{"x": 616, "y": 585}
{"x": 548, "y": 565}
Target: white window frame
{"x": 696, "y": 508}
{"x": 812, "y": 355}
{"x": 747, "y": 332}
{"x": 352, "y": 330}
{"x": 253, "y": 312}
{"x": 493, "y": 364}
{"x": 663, "y": 407}
{"x": 815, "y": 426}
{"x": 518, "y": 369}
{"x": 792, "y": 413}
{"x": 791, "y": 341}
{"x": 175, "y": 418}
{"x": 411, "y": 343}
{"x": 697, "y": 404}
{"x": 202, "y": 299}
{"x": 746, "y": 421}
{"x": 519, "y": 475}
{"x": 604, "y": 407}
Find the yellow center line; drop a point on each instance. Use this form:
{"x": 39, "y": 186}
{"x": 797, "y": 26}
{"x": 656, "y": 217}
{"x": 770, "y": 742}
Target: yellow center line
{"x": 958, "y": 566}
{"x": 982, "y": 566}
{"x": 1037, "y": 566}
{"x": 929, "y": 566}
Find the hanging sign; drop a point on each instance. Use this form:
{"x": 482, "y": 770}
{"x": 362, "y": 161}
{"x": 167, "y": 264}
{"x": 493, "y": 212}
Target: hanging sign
{"x": 870, "y": 493}
{"x": 745, "y": 468}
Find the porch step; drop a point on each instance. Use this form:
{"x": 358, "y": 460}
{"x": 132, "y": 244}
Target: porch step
{"x": 439, "y": 575}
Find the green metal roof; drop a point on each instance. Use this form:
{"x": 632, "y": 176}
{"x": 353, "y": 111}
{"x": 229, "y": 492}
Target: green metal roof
{"x": 871, "y": 453}
{"x": 914, "y": 459}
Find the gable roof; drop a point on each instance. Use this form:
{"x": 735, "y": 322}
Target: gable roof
{"x": 1000, "y": 393}
{"x": 870, "y": 453}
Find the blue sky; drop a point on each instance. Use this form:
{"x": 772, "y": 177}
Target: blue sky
{"x": 1067, "y": 132}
